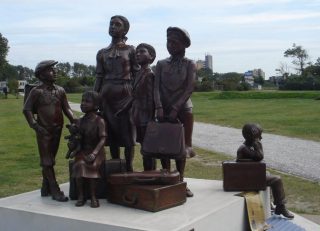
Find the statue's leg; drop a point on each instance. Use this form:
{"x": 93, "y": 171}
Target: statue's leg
{"x": 56, "y": 193}
{"x": 165, "y": 163}
{"x": 80, "y": 191}
{"x": 186, "y": 118}
{"x": 129, "y": 154}
{"x": 45, "y": 189}
{"x": 149, "y": 163}
{"x": 181, "y": 164}
{"x": 114, "y": 151}
{"x": 94, "y": 200}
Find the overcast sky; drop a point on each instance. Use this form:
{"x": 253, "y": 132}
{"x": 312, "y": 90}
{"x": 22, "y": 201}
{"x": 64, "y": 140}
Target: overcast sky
{"x": 241, "y": 35}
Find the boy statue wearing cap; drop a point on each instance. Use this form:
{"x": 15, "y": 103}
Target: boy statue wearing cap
{"x": 174, "y": 84}
{"x": 43, "y": 109}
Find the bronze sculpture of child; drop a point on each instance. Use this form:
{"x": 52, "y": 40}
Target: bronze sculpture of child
{"x": 43, "y": 109}
{"x": 89, "y": 159}
{"x": 174, "y": 84}
{"x": 252, "y": 150}
{"x": 142, "y": 110}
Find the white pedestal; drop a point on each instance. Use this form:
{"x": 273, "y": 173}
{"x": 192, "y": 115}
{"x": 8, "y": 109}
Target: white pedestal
{"x": 210, "y": 209}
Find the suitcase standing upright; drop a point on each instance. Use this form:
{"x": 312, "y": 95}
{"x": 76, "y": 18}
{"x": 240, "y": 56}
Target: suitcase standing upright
{"x": 164, "y": 140}
{"x": 148, "y": 197}
{"x": 244, "y": 176}
{"x": 155, "y": 177}
{"x": 110, "y": 166}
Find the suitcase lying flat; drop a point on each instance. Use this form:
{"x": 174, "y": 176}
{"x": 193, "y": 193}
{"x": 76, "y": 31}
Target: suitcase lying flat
{"x": 157, "y": 177}
{"x": 110, "y": 166}
{"x": 148, "y": 197}
{"x": 244, "y": 176}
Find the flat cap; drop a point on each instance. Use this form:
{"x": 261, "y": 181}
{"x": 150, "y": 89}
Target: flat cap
{"x": 181, "y": 33}
{"x": 43, "y": 65}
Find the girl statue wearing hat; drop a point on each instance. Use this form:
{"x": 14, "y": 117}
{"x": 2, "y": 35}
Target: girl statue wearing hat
{"x": 115, "y": 70}
{"x": 174, "y": 83}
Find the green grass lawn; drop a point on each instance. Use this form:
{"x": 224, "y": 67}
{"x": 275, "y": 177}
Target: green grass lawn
{"x": 295, "y": 117}
{"x": 20, "y": 171}
{"x": 294, "y": 114}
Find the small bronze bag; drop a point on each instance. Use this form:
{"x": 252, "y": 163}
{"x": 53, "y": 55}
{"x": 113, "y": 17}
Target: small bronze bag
{"x": 164, "y": 140}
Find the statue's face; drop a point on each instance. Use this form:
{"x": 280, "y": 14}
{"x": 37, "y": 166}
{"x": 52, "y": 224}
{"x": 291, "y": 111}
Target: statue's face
{"x": 87, "y": 104}
{"x": 116, "y": 28}
{"x": 174, "y": 45}
{"x": 143, "y": 56}
{"x": 48, "y": 75}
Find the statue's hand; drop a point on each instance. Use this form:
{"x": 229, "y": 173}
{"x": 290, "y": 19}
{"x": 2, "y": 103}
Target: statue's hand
{"x": 39, "y": 129}
{"x": 173, "y": 115}
{"x": 159, "y": 114}
{"x": 90, "y": 158}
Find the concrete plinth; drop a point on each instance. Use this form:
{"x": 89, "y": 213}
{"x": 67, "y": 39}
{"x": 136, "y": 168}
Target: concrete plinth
{"x": 210, "y": 209}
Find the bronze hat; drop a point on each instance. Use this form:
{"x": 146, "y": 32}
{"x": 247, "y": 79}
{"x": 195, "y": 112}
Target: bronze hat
{"x": 43, "y": 65}
{"x": 181, "y": 33}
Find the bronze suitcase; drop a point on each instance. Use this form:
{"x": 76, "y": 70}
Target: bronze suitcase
{"x": 110, "y": 166}
{"x": 148, "y": 197}
{"x": 164, "y": 140}
{"x": 244, "y": 176}
{"x": 156, "y": 177}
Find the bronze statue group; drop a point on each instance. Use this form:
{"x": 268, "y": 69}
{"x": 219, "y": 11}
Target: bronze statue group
{"x": 126, "y": 96}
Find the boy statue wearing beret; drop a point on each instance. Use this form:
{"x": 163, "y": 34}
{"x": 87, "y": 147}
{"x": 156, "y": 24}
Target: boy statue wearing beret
{"x": 174, "y": 83}
{"x": 43, "y": 109}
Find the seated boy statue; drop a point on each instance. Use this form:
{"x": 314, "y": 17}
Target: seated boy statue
{"x": 252, "y": 150}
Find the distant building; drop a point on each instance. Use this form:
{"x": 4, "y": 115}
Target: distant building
{"x": 208, "y": 61}
{"x": 248, "y": 78}
{"x": 21, "y": 85}
{"x": 258, "y": 73}
{"x": 251, "y": 74}
{"x": 200, "y": 64}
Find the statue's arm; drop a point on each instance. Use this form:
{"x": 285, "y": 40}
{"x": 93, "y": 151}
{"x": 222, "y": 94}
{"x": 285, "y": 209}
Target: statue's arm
{"x": 191, "y": 76}
{"x": 99, "y": 72}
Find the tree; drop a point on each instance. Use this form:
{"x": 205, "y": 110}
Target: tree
{"x": 283, "y": 70}
{"x": 300, "y": 55}
{"x": 4, "y": 49}
{"x": 317, "y": 62}
{"x": 230, "y": 81}
{"x": 64, "y": 69}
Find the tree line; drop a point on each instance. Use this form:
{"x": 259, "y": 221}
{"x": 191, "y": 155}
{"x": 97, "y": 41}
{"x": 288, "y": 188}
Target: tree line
{"x": 77, "y": 77}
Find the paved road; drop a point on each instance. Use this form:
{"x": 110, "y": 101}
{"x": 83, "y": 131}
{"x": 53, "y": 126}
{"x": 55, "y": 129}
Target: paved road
{"x": 295, "y": 156}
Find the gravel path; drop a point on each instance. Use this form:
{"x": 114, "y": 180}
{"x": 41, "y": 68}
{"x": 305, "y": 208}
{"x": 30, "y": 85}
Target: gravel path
{"x": 291, "y": 155}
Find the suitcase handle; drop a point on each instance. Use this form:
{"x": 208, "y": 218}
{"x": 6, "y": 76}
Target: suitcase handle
{"x": 129, "y": 201}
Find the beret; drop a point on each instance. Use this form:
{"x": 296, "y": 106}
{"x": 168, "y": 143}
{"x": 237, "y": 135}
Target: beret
{"x": 183, "y": 34}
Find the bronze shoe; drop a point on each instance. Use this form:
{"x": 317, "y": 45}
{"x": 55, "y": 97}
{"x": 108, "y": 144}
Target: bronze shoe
{"x": 282, "y": 210}
{"x": 94, "y": 203}
{"x": 189, "y": 193}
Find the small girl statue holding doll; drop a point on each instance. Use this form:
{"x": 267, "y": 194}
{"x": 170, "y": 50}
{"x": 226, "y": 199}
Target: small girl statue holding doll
{"x": 88, "y": 161}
